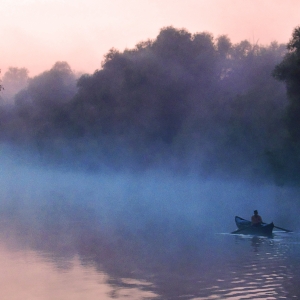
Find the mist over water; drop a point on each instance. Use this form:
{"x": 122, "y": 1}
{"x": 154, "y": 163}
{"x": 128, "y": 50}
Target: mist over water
{"x": 140, "y": 230}
{"x": 189, "y": 103}
{"x": 134, "y": 201}
{"x": 136, "y": 172}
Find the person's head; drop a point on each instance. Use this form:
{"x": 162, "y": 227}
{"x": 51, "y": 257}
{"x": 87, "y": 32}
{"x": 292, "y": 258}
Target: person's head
{"x": 256, "y": 212}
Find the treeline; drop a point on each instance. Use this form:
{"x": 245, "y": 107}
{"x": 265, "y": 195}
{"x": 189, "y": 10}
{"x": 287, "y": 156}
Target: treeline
{"x": 189, "y": 102}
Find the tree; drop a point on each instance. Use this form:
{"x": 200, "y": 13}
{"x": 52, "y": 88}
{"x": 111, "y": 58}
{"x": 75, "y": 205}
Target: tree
{"x": 1, "y": 86}
{"x": 289, "y": 72}
{"x": 41, "y": 106}
{"x": 14, "y": 80}
{"x": 224, "y": 45}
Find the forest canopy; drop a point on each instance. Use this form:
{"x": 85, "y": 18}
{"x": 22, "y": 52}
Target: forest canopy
{"x": 183, "y": 101}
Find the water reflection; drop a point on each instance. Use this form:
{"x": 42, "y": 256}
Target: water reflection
{"x": 255, "y": 243}
{"x": 27, "y": 275}
{"x": 69, "y": 253}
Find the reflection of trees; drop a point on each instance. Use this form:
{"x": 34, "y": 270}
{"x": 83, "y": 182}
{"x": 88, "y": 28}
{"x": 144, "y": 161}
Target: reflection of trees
{"x": 169, "y": 262}
{"x": 62, "y": 230}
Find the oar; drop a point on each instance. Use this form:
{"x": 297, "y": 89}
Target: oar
{"x": 280, "y": 228}
{"x": 287, "y": 230}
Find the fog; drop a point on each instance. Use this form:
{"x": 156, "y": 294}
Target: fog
{"x": 132, "y": 225}
{"x": 152, "y": 200}
{"x": 139, "y": 168}
{"x": 165, "y": 143}
{"x": 186, "y": 102}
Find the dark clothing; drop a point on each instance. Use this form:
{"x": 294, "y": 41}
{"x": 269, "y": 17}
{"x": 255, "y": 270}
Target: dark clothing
{"x": 256, "y": 220}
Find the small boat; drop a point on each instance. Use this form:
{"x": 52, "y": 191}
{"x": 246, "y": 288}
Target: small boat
{"x": 245, "y": 227}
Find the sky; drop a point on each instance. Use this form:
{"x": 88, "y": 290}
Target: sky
{"x": 37, "y": 33}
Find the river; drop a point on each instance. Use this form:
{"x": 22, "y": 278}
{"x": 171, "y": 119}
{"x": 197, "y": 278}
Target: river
{"x": 68, "y": 236}
{"x": 65, "y": 261}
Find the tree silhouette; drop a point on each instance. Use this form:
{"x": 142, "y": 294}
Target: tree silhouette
{"x": 1, "y": 86}
{"x": 14, "y": 80}
{"x": 183, "y": 100}
{"x": 289, "y": 72}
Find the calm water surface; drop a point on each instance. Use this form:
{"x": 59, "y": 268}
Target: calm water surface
{"x": 70, "y": 261}
{"x": 68, "y": 236}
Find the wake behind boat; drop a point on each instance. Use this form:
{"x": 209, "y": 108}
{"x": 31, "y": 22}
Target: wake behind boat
{"x": 245, "y": 227}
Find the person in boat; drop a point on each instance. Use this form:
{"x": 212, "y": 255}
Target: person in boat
{"x": 256, "y": 219}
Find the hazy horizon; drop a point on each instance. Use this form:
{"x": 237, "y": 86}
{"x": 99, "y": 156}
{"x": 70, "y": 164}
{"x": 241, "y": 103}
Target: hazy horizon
{"x": 35, "y": 34}
{"x": 131, "y": 135}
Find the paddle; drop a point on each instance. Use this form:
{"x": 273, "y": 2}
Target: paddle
{"x": 280, "y": 228}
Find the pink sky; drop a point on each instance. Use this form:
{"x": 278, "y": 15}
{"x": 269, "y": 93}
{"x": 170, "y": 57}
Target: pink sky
{"x": 37, "y": 33}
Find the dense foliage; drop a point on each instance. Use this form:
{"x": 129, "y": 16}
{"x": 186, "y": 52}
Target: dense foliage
{"x": 189, "y": 102}
{"x": 289, "y": 72}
